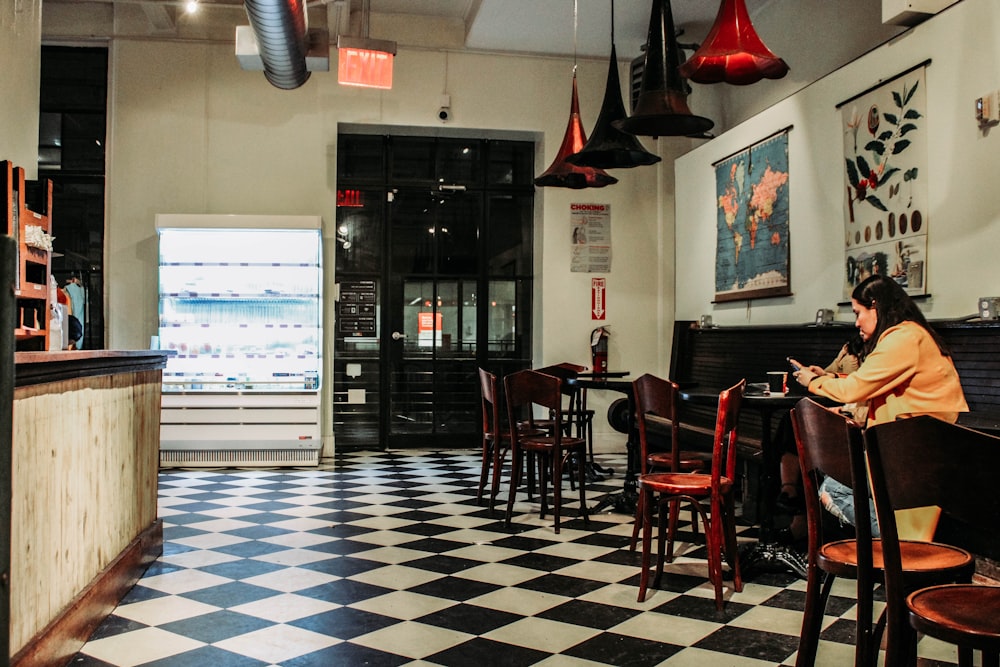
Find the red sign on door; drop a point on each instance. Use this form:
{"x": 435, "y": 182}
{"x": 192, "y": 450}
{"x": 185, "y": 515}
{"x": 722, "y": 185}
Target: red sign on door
{"x": 598, "y": 307}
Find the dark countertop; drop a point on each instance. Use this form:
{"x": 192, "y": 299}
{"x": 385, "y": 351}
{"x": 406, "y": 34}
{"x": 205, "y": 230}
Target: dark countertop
{"x": 32, "y": 368}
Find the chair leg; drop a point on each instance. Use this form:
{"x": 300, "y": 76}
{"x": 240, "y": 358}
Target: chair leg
{"x": 557, "y": 465}
{"x": 637, "y": 522}
{"x": 713, "y": 535}
{"x": 675, "y": 506}
{"x": 812, "y": 616}
{"x": 647, "y": 539}
{"x": 661, "y": 538}
{"x": 990, "y": 658}
{"x": 515, "y": 480}
{"x": 543, "y": 491}
{"x": 499, "y": 454}
{"x": 486, "y": 455}
{"x": 732, "y": 550}
{"x": 582, "y": 472}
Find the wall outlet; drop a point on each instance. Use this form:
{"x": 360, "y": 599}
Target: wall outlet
{"x": 989, "y": 307}
{"x": 988, "y": 108}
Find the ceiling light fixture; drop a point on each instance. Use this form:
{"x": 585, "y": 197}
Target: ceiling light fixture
{"x": 732, "y": 52}
{"x": 191, "y": 6}
{"x": 609, "y": 147}
{"x": 561, "y": 173}
{"x": 365, "y": 62}
{"x": 661, "y": 110}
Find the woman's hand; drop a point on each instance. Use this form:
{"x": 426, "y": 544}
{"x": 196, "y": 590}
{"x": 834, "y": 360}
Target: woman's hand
{"x": 807, "y": 374}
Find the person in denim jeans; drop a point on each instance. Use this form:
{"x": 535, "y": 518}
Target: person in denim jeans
{"x": 907, "y": 371}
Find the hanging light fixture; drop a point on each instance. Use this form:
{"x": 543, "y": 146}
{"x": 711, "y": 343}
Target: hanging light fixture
{"x": 609, "y": 147}
{"x": 732, "y": 52}
{"x": 561, "y": 173}
{"x": 661, "y": 110}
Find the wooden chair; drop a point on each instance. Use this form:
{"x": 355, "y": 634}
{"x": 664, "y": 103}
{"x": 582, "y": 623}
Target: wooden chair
{"x": 715, "y": 488}
{"x": 525, "y": 390}
{"x": 578, "y": 419}
{"x": 832, "y": 445}
{"x": 923, "y": 462}
{"x": 656, "y": 403}
{"x": 496, "y": 437}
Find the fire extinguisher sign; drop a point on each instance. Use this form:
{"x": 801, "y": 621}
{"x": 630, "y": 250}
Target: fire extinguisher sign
{"x": 598, "y": 298}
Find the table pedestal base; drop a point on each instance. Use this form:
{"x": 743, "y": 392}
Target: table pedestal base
{"x": 771, "y": 557}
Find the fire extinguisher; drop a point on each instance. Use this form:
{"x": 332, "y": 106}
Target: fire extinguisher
{"x": 599, "y": 350}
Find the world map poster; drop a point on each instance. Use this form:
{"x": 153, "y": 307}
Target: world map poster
{"x": 752, "y": 255}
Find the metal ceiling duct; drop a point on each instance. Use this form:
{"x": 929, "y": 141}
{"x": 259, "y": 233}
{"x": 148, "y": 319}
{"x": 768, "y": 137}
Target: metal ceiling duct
{"x": 280, "y": 29}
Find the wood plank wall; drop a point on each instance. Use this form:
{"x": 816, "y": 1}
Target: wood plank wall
{"x": 84, "y": 487}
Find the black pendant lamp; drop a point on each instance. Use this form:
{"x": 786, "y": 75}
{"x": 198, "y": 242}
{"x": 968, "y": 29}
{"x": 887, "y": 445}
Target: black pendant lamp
{"x": 564, "y": 174}
{"x": 661, "y": 109}
{"x": 609, "y": 147}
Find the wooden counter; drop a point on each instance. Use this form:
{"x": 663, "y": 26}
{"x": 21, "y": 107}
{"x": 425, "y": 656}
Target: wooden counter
{"x": 83, "y": 493}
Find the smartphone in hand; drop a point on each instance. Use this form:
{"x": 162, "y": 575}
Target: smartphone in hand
{"x": 795, "y": 366}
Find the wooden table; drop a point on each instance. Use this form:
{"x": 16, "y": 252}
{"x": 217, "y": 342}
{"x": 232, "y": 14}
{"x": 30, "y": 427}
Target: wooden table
{"x": 618, "y": 381}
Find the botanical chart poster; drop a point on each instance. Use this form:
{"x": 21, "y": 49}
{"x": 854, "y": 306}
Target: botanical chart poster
{"x": 591, "y": 238}
{"x": 751, "y": 255}
{"x": 885, "y": 149}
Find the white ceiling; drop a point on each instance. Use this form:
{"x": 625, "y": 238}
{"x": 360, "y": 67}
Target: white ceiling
{"x": 546, "y": 26}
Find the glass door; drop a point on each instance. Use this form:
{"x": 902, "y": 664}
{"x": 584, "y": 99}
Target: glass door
{"x": 434, "y": 269}
{"x": 434, "y": 303}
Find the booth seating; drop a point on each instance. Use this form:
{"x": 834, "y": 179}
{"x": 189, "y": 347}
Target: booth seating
{"x": 712, "y": 358}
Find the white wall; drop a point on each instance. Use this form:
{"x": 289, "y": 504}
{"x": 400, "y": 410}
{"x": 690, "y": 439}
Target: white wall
{"x": 964, "y": 206}
{"x": 190, "y": 132}
{"x": 20, "y": 61}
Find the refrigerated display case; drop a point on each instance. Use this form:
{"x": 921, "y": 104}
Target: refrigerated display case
{"x": 240, "y": 307}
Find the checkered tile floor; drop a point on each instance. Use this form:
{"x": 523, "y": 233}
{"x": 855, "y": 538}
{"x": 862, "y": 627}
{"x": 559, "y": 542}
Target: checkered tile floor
{"x": 386, "y": 559}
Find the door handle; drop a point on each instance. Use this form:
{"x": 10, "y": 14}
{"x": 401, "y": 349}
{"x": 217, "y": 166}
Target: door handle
{"x": 398, "y": 336}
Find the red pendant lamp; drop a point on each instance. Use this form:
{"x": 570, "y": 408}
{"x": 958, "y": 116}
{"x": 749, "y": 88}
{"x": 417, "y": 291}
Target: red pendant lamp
{"x": 732, "y": 52}
{"x": 563, "y": 174}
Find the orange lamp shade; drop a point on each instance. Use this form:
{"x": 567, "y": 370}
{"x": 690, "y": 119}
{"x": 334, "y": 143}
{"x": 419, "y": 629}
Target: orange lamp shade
{"x": 732, "y": 52}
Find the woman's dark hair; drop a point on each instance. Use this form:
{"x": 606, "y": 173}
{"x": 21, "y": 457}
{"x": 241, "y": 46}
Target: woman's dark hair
{"x": 856, "y": 346}
{"x": 892, "y": 306}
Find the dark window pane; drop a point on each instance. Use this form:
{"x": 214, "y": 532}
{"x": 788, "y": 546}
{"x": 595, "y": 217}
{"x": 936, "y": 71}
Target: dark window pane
{"x": 359, "y": 231}
{"x": 511, "y": 163}
{"x": 510, "y": 236}
{"x": 457, "y": 233}
{"x": 360, "y": 158}
{"x": 412, "y": 227}
{"x": 459, "y": 161}
{"x": 412, "y": 159}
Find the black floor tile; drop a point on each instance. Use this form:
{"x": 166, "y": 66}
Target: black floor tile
{"x": 345, "y": 623}
{"x": 481, "y": 651}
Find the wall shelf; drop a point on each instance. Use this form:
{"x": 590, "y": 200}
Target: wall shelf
{"x": 27, "y": 205}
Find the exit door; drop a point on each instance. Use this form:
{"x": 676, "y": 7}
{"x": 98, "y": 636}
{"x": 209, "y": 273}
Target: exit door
{"x": 433, "y": 310}
{"x": 434, "y": 264}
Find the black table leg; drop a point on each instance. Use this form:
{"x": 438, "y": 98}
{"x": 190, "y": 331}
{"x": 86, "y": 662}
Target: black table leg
{"x": 766, "y": 553}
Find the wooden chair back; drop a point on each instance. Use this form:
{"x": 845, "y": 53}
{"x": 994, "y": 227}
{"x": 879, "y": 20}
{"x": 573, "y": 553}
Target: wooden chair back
{"x": 922, "y": 462}
{"x": 659, "y": 398}
{"x": 726, "y": 434}
{"x": 528, "y": 388}
{"x": 832, "y": 445}
{"x": 491, "y": 405}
